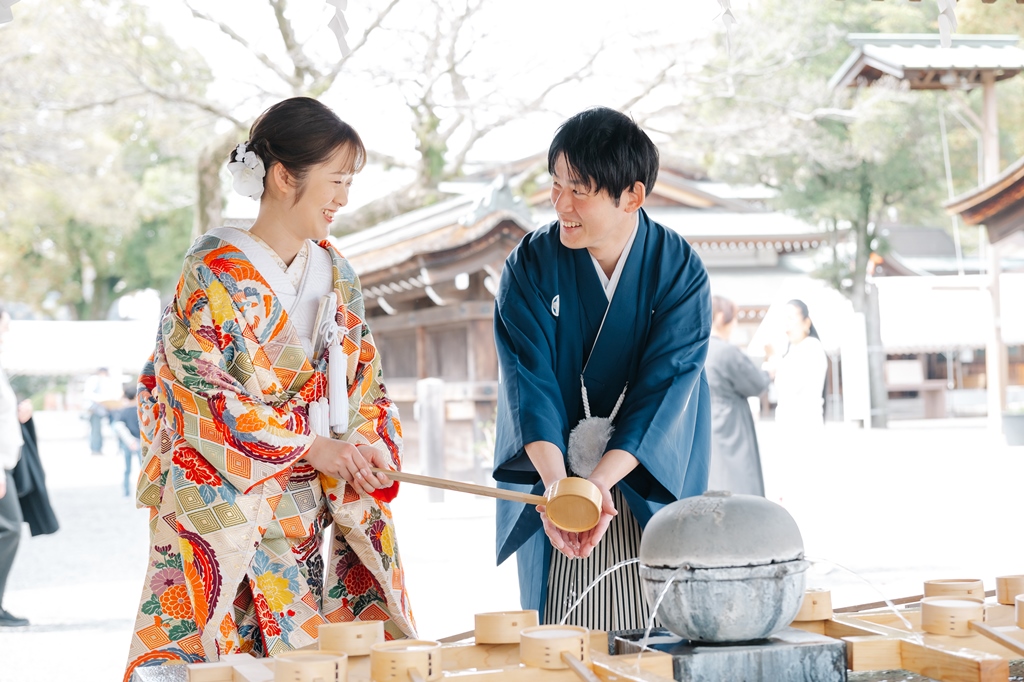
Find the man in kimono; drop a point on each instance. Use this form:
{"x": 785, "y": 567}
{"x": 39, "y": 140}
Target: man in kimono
{"x": 603, "y": 312}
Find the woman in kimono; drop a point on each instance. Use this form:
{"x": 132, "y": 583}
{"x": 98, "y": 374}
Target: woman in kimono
{"x": 800, "y": 373}
{"x": 262, "y": 411}
{"x": 733, "y": 377}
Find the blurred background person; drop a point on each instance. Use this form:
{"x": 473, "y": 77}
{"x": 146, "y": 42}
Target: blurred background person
{"x": 800, "y": 373}
{"x": 12, "y": 416}
{"x": 100, "y": 390}
{"x": 733, "y": 377}
{"x": 125, "y": 423}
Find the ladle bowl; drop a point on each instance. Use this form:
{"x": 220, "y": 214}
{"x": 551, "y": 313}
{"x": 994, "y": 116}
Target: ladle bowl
{"x": 573, "y": 504}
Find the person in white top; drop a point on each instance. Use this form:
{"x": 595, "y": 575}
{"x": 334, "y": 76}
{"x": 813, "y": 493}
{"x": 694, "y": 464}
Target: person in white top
{"x": 101, "y": 390}
{"x": 800, "y": 373}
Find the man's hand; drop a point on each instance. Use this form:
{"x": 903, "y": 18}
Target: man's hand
{"x": 565, "y": 542}
{"x": 589, "y": 539}
{"x": 352, "y": 463}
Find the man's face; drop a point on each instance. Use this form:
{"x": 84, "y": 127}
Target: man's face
{"x": 588, "y": 219}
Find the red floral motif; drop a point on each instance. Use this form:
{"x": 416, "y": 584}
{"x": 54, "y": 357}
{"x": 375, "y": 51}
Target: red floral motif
{"x": 358, "y": 580}
{"x": 314, "y": 389}
{"x": 195, "y": 466}
{"x": 268, "y": 624}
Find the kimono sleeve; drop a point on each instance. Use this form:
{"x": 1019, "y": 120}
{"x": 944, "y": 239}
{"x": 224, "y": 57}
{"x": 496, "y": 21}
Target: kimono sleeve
{"x": 530, "y": 398}
{"x": 212, "y": 393}
{"x": 374, "y": 416}
{"x": 665, "y": 420}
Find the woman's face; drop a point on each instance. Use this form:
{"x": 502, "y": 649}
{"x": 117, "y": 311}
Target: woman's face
{"x": 325, "y": 190}
{"x": 796, "y": 325}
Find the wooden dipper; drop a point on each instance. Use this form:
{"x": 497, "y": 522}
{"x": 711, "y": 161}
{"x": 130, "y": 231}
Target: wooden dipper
{"x": 573, "y": 504}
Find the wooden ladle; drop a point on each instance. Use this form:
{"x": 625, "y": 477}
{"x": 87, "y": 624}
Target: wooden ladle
{"x": 573, "y": 504}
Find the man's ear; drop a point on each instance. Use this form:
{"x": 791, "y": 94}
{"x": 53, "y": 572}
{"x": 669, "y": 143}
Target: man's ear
{"x": 634, "y": 197}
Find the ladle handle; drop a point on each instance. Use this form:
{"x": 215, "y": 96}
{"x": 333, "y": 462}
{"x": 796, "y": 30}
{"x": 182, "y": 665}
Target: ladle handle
{"x": 996, "y": 636}
{"x": 579, "y": 667}
{"x": 462, "y": 487}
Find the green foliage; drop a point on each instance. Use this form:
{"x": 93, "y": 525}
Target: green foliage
{"x": 98, "y": 168}
{"x": 846, "y": 159}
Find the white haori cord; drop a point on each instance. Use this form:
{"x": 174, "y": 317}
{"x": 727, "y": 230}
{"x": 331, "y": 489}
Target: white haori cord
{"x": 337, "y": 386}
{"x": 588, "y": 440}
{"x": 326, "y": 415}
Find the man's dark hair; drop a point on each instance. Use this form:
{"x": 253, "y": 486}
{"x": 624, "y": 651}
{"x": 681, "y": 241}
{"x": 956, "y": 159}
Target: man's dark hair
{"x": 606, "y": 150}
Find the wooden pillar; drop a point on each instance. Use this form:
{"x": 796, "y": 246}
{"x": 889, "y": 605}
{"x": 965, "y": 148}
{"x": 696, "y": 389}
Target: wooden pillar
{"x": 430, "y": 415}
{"x": 996, "y": 360}
{"x": 421, "y": 352}
{"x": 995, "y": 351}
{"x": 990, "y": 126}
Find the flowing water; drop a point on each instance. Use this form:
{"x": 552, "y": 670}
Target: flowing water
{"x": 668, "y": 585}
{"x": 890, "y": 605}
{"x": 592, "y": 585}
{"x": 654, "y": 614}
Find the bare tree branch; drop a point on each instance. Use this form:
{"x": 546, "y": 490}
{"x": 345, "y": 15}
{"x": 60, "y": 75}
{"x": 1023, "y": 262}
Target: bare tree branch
{"x": 648, "y": 88}
{"x": 374, "y": 25}
{"x": 300, "y": 63}
{"x": 534, "y": 105}
{"x": 231, "y": 33}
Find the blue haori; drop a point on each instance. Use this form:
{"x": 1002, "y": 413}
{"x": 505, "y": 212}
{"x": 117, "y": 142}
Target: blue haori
{"x": 549, "y": 309}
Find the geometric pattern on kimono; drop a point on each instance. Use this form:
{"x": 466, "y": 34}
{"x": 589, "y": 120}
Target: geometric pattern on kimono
{"x": 236, "y": 515}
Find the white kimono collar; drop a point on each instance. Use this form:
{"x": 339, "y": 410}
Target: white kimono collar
{"x": 611, "y": 284}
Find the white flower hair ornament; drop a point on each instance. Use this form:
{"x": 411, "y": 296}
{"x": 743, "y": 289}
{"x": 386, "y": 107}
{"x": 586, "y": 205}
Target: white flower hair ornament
{"x": 248, "y": 172}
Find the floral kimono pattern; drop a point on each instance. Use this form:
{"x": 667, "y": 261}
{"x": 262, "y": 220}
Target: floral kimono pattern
{"x": 237, "y": 518}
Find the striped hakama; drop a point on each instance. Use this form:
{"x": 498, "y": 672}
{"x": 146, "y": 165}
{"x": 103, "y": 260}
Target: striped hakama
{"x": 617, "y": 602}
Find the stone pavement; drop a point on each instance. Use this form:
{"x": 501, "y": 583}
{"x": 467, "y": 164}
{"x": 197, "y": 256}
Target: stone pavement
{"x": 918, "y": 501}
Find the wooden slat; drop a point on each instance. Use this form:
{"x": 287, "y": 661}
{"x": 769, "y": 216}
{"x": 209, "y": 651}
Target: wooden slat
{"x": 873, "y": 652}
{"x": 963, "y": 665}
{"x": 997, "y": 636}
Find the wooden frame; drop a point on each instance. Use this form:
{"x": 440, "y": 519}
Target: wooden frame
{"x": 879, "y": 640}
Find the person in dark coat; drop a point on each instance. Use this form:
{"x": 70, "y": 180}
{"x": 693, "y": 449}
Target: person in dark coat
{"x": 30, "y": 480}
{"x": 735, "y": 458}
{"x": 12, "y": 415}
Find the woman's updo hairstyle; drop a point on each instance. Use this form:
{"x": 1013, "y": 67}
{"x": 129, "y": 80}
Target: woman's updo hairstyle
{"x": 300, "y": 133}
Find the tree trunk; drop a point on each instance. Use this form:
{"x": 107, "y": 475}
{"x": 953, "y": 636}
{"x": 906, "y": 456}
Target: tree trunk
{"x": 210, "y": 195}
{"x": 865, "y": 300}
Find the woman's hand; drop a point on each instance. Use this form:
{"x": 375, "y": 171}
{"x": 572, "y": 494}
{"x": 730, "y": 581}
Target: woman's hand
{"x": 339, "y": 459}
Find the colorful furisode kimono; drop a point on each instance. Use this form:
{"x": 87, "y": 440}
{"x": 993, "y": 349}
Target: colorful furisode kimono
{"x": 237, "y": 517}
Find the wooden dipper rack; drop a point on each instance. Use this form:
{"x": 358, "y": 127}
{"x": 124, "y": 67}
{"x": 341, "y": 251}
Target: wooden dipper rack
{"x": 573, "y": 504}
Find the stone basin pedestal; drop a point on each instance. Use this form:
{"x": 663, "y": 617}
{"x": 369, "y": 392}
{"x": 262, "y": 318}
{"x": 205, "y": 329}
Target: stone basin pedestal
{"x": 789, "y": 655}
